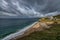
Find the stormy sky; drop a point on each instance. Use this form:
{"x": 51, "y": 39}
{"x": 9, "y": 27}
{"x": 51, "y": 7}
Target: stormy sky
{"x": 29, "y": 8}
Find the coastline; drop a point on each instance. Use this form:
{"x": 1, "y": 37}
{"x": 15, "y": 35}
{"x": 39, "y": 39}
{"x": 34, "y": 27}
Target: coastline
{"x": 39, "y": 26}
{"x": 36, "y": 26}
{"x": 19, "y": 33}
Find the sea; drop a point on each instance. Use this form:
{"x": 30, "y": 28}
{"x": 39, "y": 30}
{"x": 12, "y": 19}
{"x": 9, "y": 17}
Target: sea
{"x": 9, "y": 26}
{"x": 24, "y": 13}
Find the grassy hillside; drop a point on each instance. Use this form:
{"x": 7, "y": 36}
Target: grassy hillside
{"x": 48, "y": 34}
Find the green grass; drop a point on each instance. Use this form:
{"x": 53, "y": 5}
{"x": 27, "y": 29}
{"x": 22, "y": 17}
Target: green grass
{"x": 48, "y": 34}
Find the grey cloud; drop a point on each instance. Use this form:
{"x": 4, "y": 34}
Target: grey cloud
{"x": 29, "y": 8}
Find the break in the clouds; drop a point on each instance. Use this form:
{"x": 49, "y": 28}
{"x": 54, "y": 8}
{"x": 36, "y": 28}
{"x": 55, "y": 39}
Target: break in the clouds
{"x": 29, "y": 8}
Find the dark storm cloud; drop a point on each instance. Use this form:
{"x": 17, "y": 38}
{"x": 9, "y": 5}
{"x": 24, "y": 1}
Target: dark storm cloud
{"x": 29, "y": 8}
